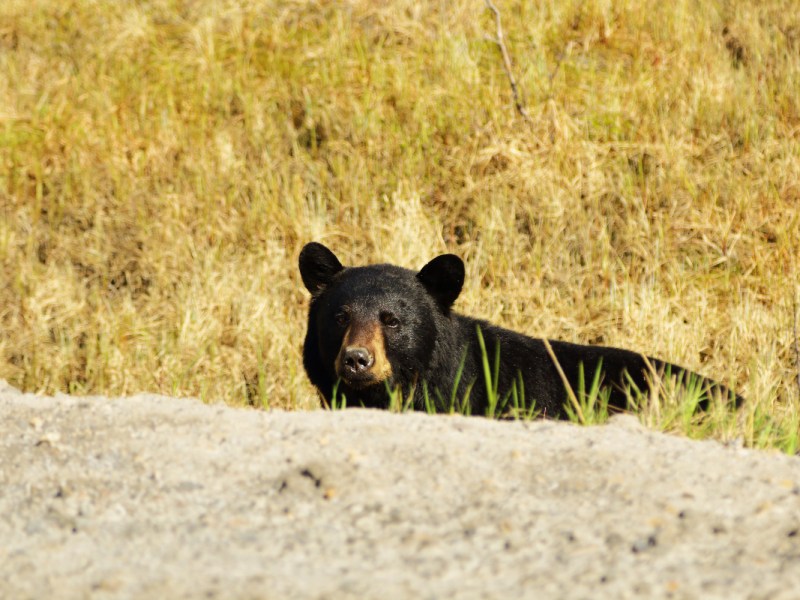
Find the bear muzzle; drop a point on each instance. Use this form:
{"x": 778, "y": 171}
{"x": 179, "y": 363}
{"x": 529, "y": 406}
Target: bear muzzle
{"x": 356, "y": 364}
{"x": 362, "y": 360}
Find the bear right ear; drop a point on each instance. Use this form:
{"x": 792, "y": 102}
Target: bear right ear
{"x": 318, "y": 266}
{"x": 443, "y": 277}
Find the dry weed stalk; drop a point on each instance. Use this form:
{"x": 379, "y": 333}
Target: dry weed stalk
{"x": 796, "y": 343}
{"x": 501, "y": 43}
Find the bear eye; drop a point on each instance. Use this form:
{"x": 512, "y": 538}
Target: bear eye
{"x": 390, "y": 320}
{"x": 342, "y": 318}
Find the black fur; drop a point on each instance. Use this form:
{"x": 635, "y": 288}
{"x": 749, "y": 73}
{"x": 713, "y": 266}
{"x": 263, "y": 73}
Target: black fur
{"x": 427, "y": 341}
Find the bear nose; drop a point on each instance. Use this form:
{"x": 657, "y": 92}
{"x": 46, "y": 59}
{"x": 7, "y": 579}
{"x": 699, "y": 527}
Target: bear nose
{"x": 357, "y": 360}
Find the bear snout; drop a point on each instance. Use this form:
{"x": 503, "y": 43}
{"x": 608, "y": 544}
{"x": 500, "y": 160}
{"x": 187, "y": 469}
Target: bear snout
{"x": 362, "y": 360}
{"x": 356, "y": 360}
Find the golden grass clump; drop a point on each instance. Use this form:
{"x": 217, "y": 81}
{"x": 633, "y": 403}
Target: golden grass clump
{"x": 163, "y": 162}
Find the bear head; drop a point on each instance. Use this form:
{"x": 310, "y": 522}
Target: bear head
{"x": 374, "y": 328}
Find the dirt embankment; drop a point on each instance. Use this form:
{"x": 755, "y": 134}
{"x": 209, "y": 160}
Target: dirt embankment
{"x": 152, "y": 496}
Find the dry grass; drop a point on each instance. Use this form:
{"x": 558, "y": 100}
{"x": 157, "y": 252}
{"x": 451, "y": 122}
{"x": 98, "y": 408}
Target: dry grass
{"x": 162, "y": 162}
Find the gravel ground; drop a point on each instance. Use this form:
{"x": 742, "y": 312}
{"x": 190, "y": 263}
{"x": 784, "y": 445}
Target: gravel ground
{"x": 158, "y": 497}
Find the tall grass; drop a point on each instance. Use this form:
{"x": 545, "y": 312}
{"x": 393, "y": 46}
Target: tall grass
{"x": 162, "y": 162}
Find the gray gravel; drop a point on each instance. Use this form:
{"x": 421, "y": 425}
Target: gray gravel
{"x": 160, "y": 497}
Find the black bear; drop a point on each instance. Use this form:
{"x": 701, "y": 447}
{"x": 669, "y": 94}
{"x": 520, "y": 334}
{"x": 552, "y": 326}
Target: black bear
{"x": 379, "y": 328}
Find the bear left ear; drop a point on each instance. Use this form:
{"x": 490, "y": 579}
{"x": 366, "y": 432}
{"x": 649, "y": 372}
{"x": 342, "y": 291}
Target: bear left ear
{"x": 443, "y": 277}
{"x": 318, "y": 266}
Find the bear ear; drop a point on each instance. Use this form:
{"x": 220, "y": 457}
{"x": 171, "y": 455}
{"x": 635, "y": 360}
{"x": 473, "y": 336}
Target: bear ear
{"x": 443, "y": 277}
{"x": 318, "y": 266}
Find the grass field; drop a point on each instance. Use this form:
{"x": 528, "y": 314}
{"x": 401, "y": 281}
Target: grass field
{"x": 162, "y": 163}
